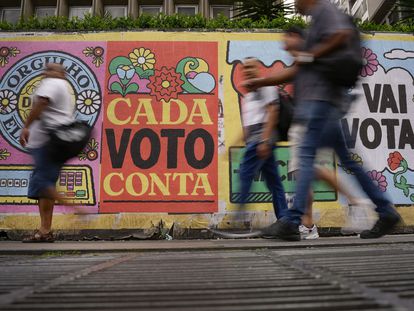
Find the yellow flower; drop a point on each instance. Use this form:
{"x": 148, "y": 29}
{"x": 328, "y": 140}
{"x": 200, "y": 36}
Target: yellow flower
{"x": 143, "y": 58}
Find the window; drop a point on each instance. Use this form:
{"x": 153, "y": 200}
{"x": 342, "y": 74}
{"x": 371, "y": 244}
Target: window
{"x": 150, "y": 9}
{"x": 186, "y": 9}
{"x": 44, "y": 11}
{"x": 116, "y": 10}
{"x": 10, "y": 15}
{"x": 79, "y": 11}
{"x": 225, "y": 10}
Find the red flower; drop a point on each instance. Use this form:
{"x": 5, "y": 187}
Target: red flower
{"x": 165, "y": 84}
{"x": 394, "y": 160}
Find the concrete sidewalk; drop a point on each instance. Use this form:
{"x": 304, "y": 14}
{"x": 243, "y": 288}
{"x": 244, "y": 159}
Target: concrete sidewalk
{"x": 18, "y": 248}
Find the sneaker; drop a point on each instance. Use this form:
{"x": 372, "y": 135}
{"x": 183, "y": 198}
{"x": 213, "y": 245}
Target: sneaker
{"x": 383, "y": 226}
{"x": 283, "y": 229}
{"x": 308, "y": 233}
{"x": 359, "y": 217}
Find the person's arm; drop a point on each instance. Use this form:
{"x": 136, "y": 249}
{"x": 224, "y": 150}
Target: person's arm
{"x": 333, "y": 43}
{"x": 264, "y": 148}
{"x": 38, "y": 107}
{"x": 283, "y": 76}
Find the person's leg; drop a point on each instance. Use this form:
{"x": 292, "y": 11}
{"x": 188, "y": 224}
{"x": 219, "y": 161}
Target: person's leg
{"x": 388, "y": 216}
{"x": 296, "y": 133}
{"x": 328, "y": 176}
{"x": 248, "y": 168}
{"x": 274, "y": 183}
{"x": 46, "y": 214}
{"x": 384, "y": 205}
{"x": 319, "y": 114}
{"x": 307, "y": 218}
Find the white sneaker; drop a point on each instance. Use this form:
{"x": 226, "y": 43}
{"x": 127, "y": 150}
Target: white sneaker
{"x": 359, "y": 217}
{"x": 308, "y": 233}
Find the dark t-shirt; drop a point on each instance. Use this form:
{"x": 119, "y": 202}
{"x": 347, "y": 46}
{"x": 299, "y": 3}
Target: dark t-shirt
{"x": 311, "y": 84}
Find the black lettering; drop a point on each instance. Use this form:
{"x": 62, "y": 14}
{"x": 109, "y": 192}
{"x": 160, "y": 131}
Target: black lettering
{"x": 37, "y": 64}
{"x": 24, "y": 71}
{"x": 388, "y": 99}
{"x": 363, "y": 132}
{"x": 283, "y": 164}
{"x": 402, "y": 98}
{"x": 407, "y": 135}
{"x": 27, "y": 102}
{"x": 83, "y": 81}
{"x": 136, "y": 148}
{"x": 15, "y": 82}
{"x": 172, "y": 144}
{"x": 190, "y": 146}
{"x": 73, "y": 70}
{"x": 372, "y": 101}
{"x": 117, "y": 155}
{"x": 390, "y": 124}
{"x": 350, "y": 137}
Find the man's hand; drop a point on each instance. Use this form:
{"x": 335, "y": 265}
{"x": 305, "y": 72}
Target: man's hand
{"x": 24, "y": 136}
{"x": 263, "y": 150}
{"x": 252, "y": 84}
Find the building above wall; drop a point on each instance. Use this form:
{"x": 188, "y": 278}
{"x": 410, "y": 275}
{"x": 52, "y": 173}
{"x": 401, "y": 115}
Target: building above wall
{"x": 12, "y": 10}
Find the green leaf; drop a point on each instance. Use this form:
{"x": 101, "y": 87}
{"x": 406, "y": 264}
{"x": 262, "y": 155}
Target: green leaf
{"x": 132, "y": 88}
{"x": 144, "y": 74}
{"x": 118, "y": 61}
{"x": 116, "y": 87}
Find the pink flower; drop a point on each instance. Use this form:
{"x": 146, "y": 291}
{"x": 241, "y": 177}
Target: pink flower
{"x": 370, "y": 62}
{"x": 379, "y": 180}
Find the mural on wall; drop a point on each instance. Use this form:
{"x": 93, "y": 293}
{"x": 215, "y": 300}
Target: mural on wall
{"x": 165, "y": 116}
{"x": 272, "y": 58}
{"x": 21, "y": 71}
{"x": 160, "y": 128}
{"x": 379, "y": 127}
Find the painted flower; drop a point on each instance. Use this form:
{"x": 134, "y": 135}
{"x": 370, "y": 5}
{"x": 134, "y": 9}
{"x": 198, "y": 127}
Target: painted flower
{"x": 88, "y": 102}
{"x": 91, "y": 151}
{"x": 143, "y": 58}
{"x": 165, "y": 84}
{"x": 369, "y": 61}
{"x": 8, "y": 101}
{"x": 6, "y": 53}
{"x": 125, "y": 73}
{"x": 379, "y": 180}
{"x": 96, "y": 53}
{"x": 355, "y": 157}
{"x": 394, "y": 160}
{"x": 4, "y": 154}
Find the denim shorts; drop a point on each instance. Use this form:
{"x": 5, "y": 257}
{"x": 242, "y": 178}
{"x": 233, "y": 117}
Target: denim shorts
{"x": 45, "y": 173}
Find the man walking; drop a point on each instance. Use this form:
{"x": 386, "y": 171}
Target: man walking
{"x": 52, "y": 107}
{"x": 318, "y": 98}
{"x": 318, "y": 101}
{"x": 259, "y": 117}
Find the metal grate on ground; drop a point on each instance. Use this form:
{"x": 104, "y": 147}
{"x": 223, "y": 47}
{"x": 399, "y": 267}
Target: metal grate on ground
{"x": 352, "y": 278}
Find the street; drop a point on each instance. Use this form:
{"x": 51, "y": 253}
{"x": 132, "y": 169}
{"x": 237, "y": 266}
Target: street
{"x": 344, "y": 273}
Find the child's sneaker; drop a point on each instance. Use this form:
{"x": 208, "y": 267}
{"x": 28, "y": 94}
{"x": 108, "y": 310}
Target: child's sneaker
{"x": 308, "y": 233}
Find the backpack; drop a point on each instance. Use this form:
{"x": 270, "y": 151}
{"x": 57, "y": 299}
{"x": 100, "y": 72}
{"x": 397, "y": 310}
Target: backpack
{"x": 342, "y": 67}
{"x": 286, "y": 107}
{"x": 67, "y": 141}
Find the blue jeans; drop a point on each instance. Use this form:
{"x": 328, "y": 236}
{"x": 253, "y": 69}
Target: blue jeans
{"x": 250, "y": 166}
{"x": 45, "y": 173}
{"x": 324, "y": 130}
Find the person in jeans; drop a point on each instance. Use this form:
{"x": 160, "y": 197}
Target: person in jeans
{"x": 259, "y": 117}
{"x": 52, "y": 107}
{"x": 317, "y": 103}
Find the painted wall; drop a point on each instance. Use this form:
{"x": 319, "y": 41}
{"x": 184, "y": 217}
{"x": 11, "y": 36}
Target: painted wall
{"x": 167, "y": 132}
